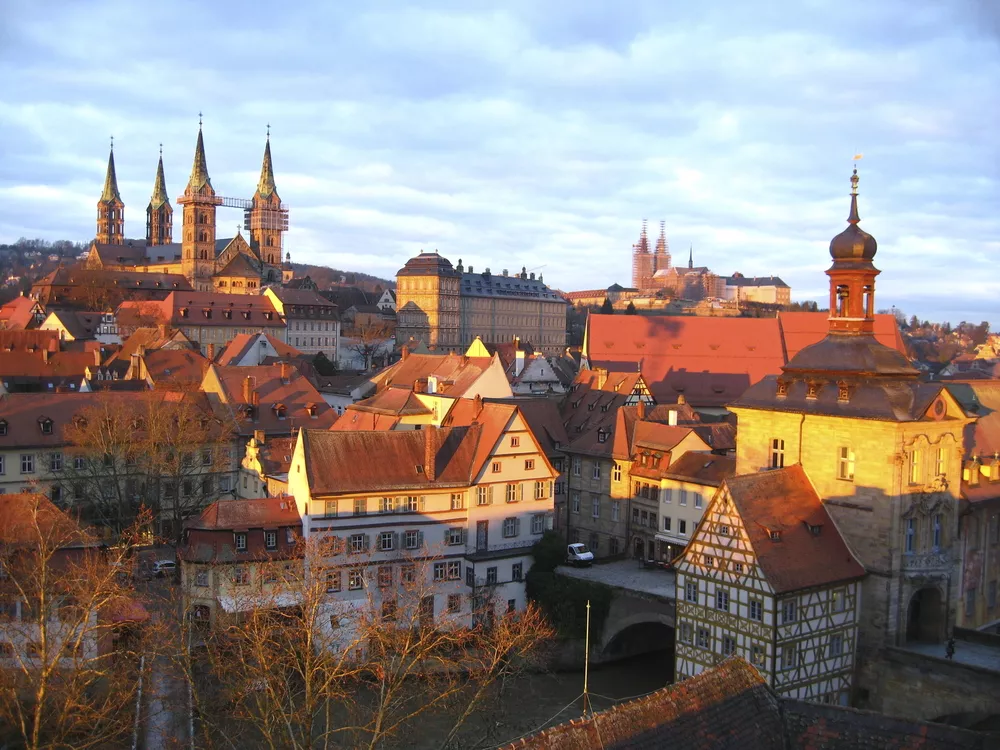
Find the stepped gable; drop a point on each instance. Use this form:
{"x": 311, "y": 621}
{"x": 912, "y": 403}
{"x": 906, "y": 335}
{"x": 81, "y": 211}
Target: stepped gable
{"x": 809, "y": 550}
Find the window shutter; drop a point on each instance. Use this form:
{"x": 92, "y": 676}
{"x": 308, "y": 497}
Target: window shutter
{"x": 423, "y": 502}
{"x": 420, "y": 539}
{"x": 489, "y": 495}
{"x": 520, "y": 491}
{"x": 517, "y": 527}
{"x": 465, "y": 536}
{"x": 367, "y": 541}
{"x": 395, "y": 540}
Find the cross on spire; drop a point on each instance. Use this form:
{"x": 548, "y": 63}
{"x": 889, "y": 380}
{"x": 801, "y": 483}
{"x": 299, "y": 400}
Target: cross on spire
{"x": 199, "y": 119}
{"x": 112, "y": 143}
{"x": 269, "y": 131}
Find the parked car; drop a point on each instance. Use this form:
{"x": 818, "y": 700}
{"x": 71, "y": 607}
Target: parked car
{"x": 578, "y": 554}
{"x": 164, "y": 568}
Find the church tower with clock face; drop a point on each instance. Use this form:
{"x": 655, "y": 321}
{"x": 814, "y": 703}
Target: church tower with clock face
{"x": 882, "y": 448}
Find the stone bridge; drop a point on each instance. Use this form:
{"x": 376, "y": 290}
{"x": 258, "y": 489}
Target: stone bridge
{"x": 641, "y": 616}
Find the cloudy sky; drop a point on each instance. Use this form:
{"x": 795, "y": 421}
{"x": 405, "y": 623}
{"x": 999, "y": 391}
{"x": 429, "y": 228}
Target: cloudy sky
{"x": 534, "y": 133}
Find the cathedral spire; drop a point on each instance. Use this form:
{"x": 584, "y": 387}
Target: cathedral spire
{"x": 199, "y": 171}
{"x": 266, "y": 184}
{"x": 110, "y": 193}
{"x": 159, "y": 186}
{"x": 691, "y": 256}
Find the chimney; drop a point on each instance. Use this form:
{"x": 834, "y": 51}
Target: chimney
{"x": 640, "y": 409}
{"x": 518, "y": 357}
{"x": 162, "y": 328}
{"x": 286, "y": 373}
{"x": 97, "y": 357}
{"x": 258, "y": 435}
{"x": 672, "y": 417}
{"x": 45, "y": 355}
{"x": 210, "y": 352}
{"x": 477, "y": 404}
{"x": 681, "y": 400}
{"x": 255, "y": 399}
{"x": 247, "y": 390}
{"x": 430, "y": 451}
{"x": 602, "y": 377}
{"x": 404, "y": 352}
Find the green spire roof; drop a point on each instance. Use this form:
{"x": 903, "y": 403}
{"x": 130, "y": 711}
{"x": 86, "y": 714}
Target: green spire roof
{"x": 159, "y": 187}
{"x": 199, "y": 172}
{"x": 110, "y": 194}
{"x": 266, "y": 185}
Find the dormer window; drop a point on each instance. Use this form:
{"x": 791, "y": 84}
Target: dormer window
{"x": 843, "y": 392}
{"x": 3, "y": 427}
{"x": 774, "y": 535}
{"x": 246, "y": 315}
{"x": 184, "y": 312}
{"x": 812, "y": 390}
{"x": 602, "y": 436}
{"x": 208, "y": 313}
{"x": 227, "y": 314}
{"x": 267, "y": 314}
{"x": 590, "y": 407}
{"x": 46, "y": 425}
{"x": 279, "y": 411}
{"x": 311, "y": 410}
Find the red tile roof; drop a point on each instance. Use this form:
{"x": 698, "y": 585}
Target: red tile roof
{"x": 702, "y": 468}
{"x": 455, "y": 373}
{"x": 241, "y": 344}
{"x": 16, "y": 314}
{"x": 25, "y": 518}
{"x": 210, "y": 536}
{"x": 711, "y": 361}
{"x": 175, "y": 368}
{"x": 784, "y": 501}
{"x": 243, "y": 514}
{"x": 203, "y": 309}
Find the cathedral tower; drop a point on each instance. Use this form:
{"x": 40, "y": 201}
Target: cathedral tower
{"x": 198, "y": 241}
{"x": 661, "y": 260}
{"x": 642, "y": 261}
{"x": 267, "y": 219}
{"x": 110, "y": 208}
{"x": 159, "y": 213}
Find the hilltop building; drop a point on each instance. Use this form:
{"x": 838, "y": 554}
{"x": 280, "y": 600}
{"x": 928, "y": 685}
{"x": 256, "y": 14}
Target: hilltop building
{"x": 446, "y": 307}
{"x": 233, "y": 265}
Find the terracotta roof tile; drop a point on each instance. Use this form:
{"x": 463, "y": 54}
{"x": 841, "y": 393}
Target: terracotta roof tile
{"x": 242, "y": 343}
{"x": 24, "y": 515}
{"x": 784, "y": 501}
{"x": 702, "y": 468}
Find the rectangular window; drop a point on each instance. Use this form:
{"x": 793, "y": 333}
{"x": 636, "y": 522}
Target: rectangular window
{"x": 454, "y": 603}
{"x": 241, "y": 542}
{"x": 686, "y": 632}
{"x": 698, "y": 500}
{"x": 241, "y": 576}
{"x": 408, "y": 504}
{"x": 539, "y": 490}
{"x": 55, "y": 461}
{"x": 3, "y": 466}
{"x": 757, "y": 655}
{"x": 682, "y": 527}
{"x": 537, "y": 523}
{"x": 838, "y": 602}
{"x": 845, "y": 464}
{"x": 936, "y": 531}
{"x": 509, "y": 527}
{"x": 457, "y": 501}
{"x": 529, "y": 464}
{"x": 616, "y": 473}
{"x": 360, "y": 506}
{"x": 728, "y": 645}
{"x": 940, "y": 462}
{"x": 386, "y": 505}
{"x": 836, "y": 644}
{"x": 916, "y": 457}
{"x": 576, "y": 466}
{"x": 668, "y": 494}
{"x": 788, "y": 657}
{"x": 777, "y": 453}
{"x": 991, "y": 595}
{"x": 722, "y": 600}
{"x": 483, "y": 495}
{"x": 332, "y": 581}
{"x": 516, "y": 571}
{"x": 666, "y": 523}
{"x": 386, "y": 541}
{"x": 491, "y": 576}
{"x": 384, "y": 576}
{"x": 355, "y": 579}
{"x": 408, "y": 574}
{"x": 615, "y": 510}
{"x": 515, "y": 441}
{"x": 597, "y": 470}
{"x": 682, "y": 498}
{"x": 970, "y": 602}
{"x": 271, "y": 540}
{"x": 723, "y": 530}
{"x": 738, "y": 567}
{"x": 788, "y": 611}
{"x": 691, "y": 591}
{"x": 440, "y": 571}
{"x": 702, "y": 638}
{"x": 575, "y": 502}
{"x": 453, "y": 536}
{"x": 497, "y": 467}
{"x": 358, "y": 543}
{"x": 910, "y": 543}
{"x": 595, "y": 507}
{"x": 27, "y": 463}
{"x": 330, "y": 509}
{"x": 201, "y": 578}
{"x": 756, "y": 610}
{"x": 511, "y": 493}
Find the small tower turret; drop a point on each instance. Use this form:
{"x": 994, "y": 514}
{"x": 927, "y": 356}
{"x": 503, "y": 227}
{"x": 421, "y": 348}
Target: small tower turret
{"x": 159, "y": 213}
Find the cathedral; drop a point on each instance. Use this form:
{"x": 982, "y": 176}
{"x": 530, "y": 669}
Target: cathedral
{"x": 653, "y": 271}
{"x": 233, "y": 265}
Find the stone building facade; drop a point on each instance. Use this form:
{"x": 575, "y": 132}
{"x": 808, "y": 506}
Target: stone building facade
{"x": 447, "y": 307}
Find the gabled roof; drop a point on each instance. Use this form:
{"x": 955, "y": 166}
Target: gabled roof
{"x": 702, "y": 468}
{"x": 241, "y": 267}
{"x": 242, "y": 343}
{"x": 783, "y": 501}
{"x": 367, "y": 461}
{"x": 27, "y": 518}
{"x": 542, "y": 416}
{"x": 728, "y": 707}
{"x": 456, "y": 374}
{"x": 17, "y": 314}
{"x": 242, "y": 514}
{"x": 175, "y": 367}
{"x": 399, "y": 402}
{"x": 79, "y": 325}
{"x": 203, "y": 308}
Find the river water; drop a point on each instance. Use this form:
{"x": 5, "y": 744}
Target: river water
{"x": 536, "y": 701}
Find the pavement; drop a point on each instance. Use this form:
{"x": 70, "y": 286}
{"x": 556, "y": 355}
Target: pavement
{"x": 973, "y": 654}
{"x": 627, "y": 574}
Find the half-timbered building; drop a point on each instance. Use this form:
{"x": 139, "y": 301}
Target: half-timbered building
{"x": 768, "y": 576}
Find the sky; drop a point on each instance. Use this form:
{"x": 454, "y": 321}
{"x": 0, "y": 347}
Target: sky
{"x": 532, "y": 133}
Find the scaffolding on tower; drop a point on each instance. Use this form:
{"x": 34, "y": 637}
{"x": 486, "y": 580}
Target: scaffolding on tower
{"x": 262, "y": 216}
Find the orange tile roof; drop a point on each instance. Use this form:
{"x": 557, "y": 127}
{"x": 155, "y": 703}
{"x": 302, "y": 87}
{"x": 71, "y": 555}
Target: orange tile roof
{"x": 27, "y": 517}
{"x": 702, "y": 468}
{"x": 226, "y": 310}
{"x": 240, "y": 344}
{"x": 254, "y": 513}
{"x": 16, "y": 314}
{"x": 800, "y": 329}
{"x": 175, "y": 367}
{"x": 455, "y": 373}
{"x": 297, "y": 395}
{"x": 784, "y": 501}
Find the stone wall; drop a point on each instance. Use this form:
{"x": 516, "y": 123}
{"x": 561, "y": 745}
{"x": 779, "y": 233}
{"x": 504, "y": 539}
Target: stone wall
{"x": 914, "y": 686}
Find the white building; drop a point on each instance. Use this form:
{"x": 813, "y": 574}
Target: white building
{"x": 769, "y": 577}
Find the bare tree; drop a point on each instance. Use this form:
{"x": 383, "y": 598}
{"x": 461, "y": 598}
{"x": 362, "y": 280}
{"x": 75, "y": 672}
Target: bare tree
{"x": 70, "y": 630}
{"x": 371, "y": 341}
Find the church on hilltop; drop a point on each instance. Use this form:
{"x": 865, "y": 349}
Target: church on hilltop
{"x": 233, "y": 265}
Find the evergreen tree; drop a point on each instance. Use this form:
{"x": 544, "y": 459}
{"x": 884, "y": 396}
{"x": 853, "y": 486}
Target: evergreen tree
{"x": 607, "y": 308}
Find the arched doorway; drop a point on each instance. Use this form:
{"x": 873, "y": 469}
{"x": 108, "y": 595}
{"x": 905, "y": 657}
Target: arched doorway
{"x": 925, "y": 616}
